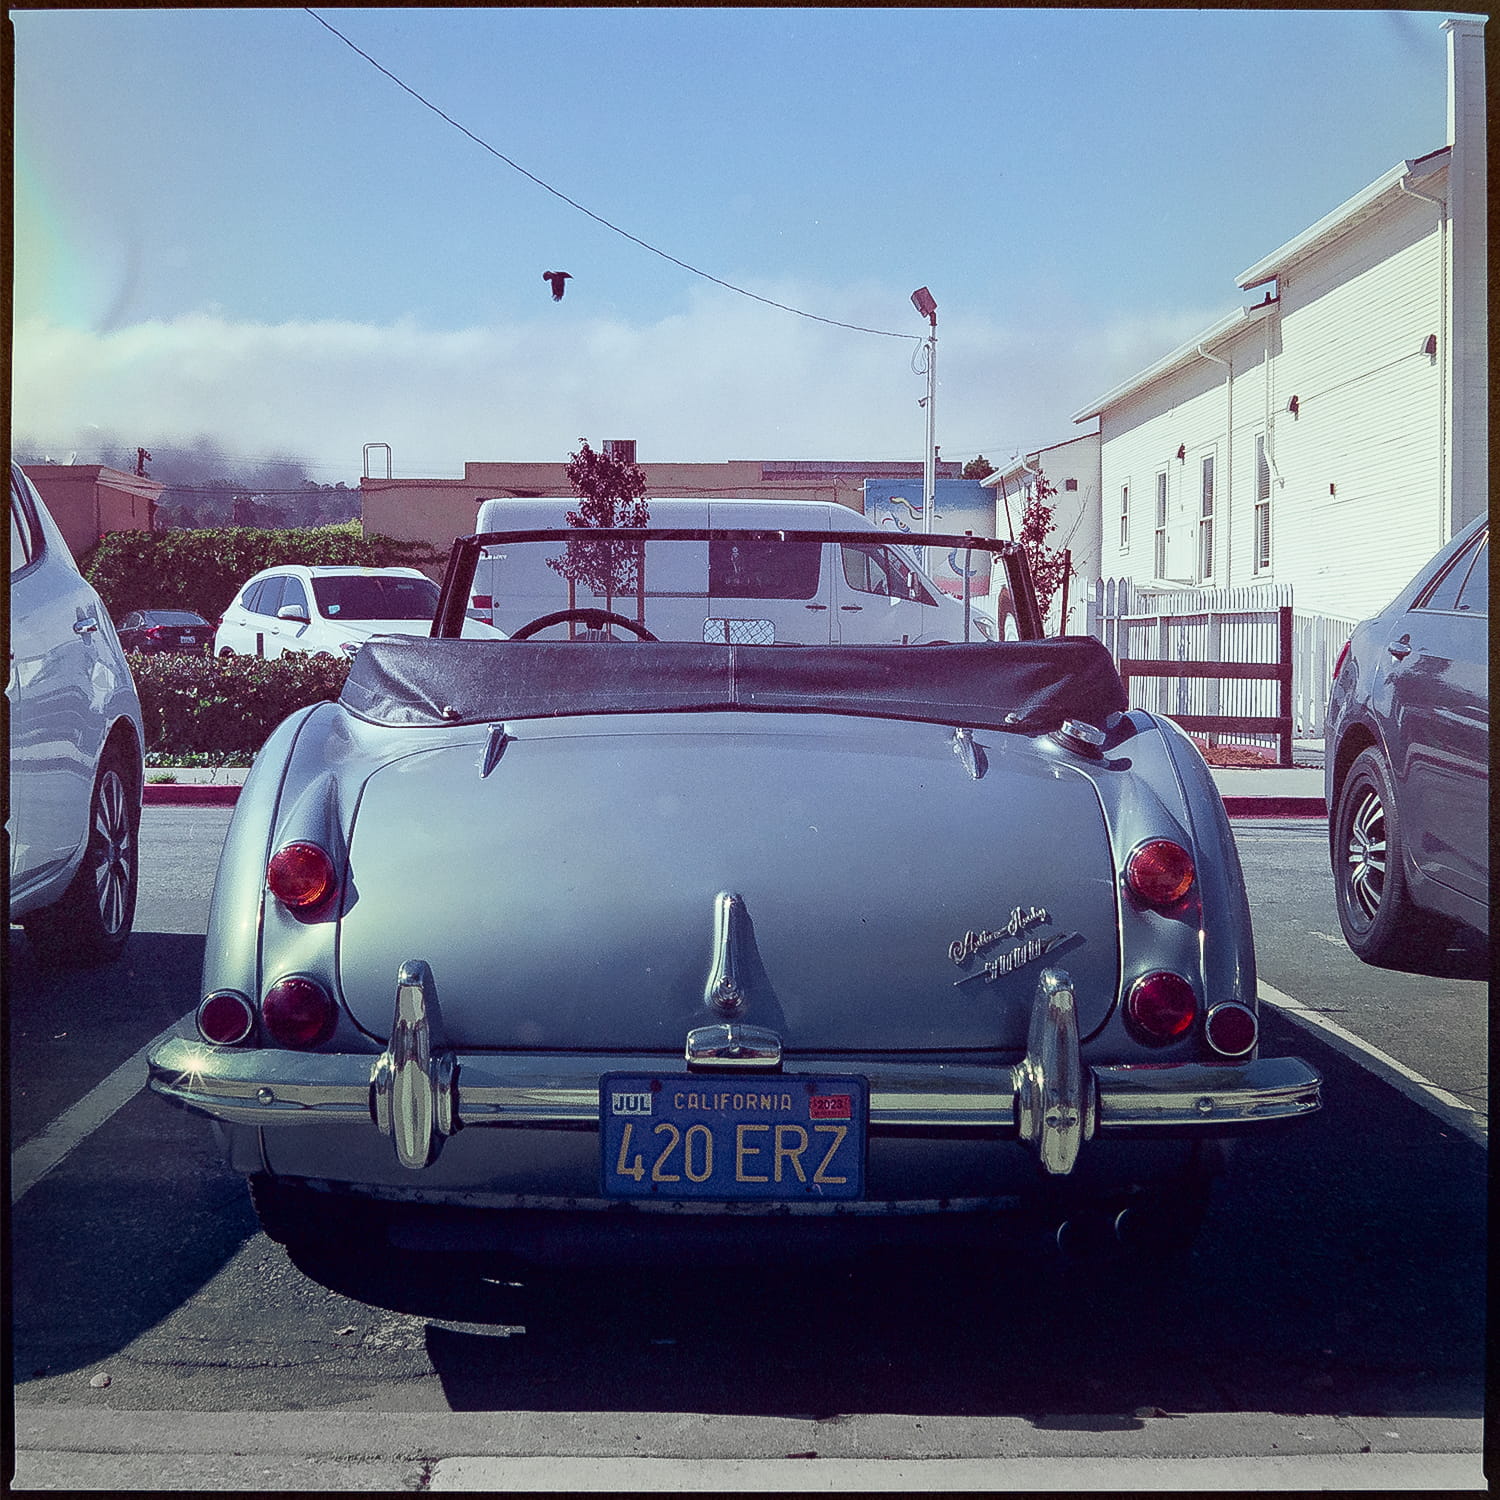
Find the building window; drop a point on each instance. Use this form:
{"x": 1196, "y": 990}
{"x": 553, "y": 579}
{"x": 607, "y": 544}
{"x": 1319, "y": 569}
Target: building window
{"x": 1206, "y": 522}
{"x": 1159, "y": 562}
{"x": 1124, "y": 518}
{"x": 1262, "y": 505}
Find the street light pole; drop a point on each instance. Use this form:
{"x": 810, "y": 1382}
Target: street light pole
{"x": 925, "y": 304}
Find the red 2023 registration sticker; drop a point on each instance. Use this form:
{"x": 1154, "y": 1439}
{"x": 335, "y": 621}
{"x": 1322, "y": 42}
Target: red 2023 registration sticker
{"x": 830, "y": 1107}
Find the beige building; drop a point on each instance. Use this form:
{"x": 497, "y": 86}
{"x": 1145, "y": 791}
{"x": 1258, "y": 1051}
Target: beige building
{"x": 437, "y": 510}
{"x": 90, "y": 500}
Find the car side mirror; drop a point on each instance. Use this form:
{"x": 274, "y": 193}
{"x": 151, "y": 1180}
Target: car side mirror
{"x": 292, "y": 612}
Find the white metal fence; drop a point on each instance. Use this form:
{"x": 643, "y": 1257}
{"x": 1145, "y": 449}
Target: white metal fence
{"x": 1218, "y": 625}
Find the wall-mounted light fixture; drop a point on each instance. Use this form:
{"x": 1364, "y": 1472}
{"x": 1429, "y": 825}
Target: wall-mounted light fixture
{"x": 1293, "y": 406}
{"x": 1181, "y": 452}
{"x": 1429, "y": 346}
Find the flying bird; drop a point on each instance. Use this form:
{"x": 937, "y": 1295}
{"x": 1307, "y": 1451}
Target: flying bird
{"x": 556, "y": 280}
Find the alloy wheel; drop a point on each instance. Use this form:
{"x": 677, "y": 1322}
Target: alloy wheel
{"x": 1365, "y": 852}
{"x": 114, "y": 850}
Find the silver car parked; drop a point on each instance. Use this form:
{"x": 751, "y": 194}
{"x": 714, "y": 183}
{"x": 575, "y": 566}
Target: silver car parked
{"x": 76, "y": 750}
{"x": 610, "y": 948}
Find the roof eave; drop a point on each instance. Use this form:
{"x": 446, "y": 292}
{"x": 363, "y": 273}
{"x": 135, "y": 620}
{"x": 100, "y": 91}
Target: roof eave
{"x": 1345, "y": 216}
{"x": 1183, "y": 355}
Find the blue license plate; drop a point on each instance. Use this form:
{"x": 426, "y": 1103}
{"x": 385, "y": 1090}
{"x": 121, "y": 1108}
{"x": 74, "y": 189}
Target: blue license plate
{"x": 792, "y": 1137}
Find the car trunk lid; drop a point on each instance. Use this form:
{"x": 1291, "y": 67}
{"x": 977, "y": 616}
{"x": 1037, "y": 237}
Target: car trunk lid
{"x": 888, "y": 898}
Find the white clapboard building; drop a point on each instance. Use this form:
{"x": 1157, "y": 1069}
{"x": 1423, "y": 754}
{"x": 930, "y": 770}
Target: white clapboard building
{"x": 1329, "y": 434}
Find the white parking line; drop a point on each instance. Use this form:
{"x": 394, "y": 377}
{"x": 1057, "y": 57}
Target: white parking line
{"x": 1449, "y": 1108}
{"x": 31, "y": 1162}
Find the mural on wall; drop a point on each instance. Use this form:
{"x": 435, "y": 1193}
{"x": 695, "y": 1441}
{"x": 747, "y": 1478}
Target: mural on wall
{"x": 959, "y": 505}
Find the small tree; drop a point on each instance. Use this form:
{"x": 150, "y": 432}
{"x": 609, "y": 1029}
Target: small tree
{"x": 978, "y": 468}
{"x": 1049, "y": 566}
{"x": 612, "y": 494}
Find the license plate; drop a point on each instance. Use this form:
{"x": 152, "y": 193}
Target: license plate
{"x": 791, "y": 1137}
{"x": 190, "y": 640}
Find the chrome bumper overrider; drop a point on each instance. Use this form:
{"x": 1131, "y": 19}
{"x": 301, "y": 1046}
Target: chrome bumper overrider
{"x": 418, "y": 1092}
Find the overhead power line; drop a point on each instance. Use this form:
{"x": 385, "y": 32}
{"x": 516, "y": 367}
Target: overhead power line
{"x": 573, "y": 203}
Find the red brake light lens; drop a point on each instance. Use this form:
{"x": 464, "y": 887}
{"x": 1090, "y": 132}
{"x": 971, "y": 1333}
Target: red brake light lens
{"x": 298, "y": 1012}
{"x": 1162, "y": 1006}
{"x": 300, "y": 876}
{"x": 1160, "y": 872}
{"x": 225, "y": 1018}
{"x": 1231, "y": 1029}
{"x": 1338, "y": 666}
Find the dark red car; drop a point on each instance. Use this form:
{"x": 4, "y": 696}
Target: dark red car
{"x": 153, "y": 630}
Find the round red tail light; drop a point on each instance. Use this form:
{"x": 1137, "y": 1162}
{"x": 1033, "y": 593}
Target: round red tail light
{"x": 1231, "y": 1029}
{"x": 300, "y": 876}
{"x": 298, "y": 1012}
{"x": 1160, "y": 872}
{"x": 225, "y": 1018}
{"x": 1162, "y": 1006}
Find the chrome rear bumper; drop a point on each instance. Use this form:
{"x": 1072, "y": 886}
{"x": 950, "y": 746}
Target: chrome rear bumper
{"x": 418, "y": 1092}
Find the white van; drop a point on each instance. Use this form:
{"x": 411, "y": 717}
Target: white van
{"x": 865, "y": 591}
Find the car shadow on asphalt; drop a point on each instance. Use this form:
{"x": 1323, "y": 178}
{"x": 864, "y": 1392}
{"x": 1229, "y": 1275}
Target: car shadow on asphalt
{"x": 142, "y": 1213}
{"x": 1342, "y": 1270}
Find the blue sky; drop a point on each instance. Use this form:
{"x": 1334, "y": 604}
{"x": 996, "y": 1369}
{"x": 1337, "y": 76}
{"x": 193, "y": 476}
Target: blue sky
{"x": 230, "y": 224}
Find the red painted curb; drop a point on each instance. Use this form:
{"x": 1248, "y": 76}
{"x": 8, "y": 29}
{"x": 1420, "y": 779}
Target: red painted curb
{"x": 189, "y": 794}
{"x": 1275, "y": 807}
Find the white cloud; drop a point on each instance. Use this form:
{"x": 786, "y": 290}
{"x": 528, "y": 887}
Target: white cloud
{"x": 730, "y": 378}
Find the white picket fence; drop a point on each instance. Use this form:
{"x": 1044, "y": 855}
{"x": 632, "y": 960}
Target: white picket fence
{"x": 1218, "y": 625}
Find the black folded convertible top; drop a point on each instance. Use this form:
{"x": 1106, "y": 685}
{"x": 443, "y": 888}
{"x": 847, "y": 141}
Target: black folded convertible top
{"x": 1021, "y": 685}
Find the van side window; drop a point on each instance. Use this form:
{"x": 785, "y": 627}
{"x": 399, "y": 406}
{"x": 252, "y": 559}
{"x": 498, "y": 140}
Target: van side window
{"x": 872, "y": 569}
{"x": 763, "y": 570}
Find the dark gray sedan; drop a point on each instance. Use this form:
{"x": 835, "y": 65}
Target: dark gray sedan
{"x": 1407, "y": 768}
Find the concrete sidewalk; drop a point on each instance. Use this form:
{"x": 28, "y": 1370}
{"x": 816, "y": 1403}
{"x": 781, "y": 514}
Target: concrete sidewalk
{"x": 68, "y": 1447}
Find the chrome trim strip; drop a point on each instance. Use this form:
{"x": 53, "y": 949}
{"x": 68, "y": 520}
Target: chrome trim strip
{"x": 269, "y": 1087}
{"x": 731, "y": 1046}
{"x": 1209, "y": 1094}
{"x": 724, "y": 990}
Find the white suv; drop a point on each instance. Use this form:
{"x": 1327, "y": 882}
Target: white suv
{"x": 328, "y": 610}
{"x": 76, "y": 768}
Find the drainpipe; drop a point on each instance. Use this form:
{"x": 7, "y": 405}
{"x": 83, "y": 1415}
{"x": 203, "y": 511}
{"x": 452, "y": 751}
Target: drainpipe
{"x": 1228, "y": 467}
{"x": 1270, "y": 422}
{"x": 1445, "y": 433}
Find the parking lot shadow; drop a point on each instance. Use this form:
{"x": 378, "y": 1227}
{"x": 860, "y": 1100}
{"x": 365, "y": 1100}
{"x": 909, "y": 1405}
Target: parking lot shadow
{"x": 1342, "y": 1270}
{"x": 141, "y": 1213}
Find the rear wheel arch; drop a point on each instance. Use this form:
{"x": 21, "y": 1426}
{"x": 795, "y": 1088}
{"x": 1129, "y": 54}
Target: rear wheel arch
{"x": 1357, "y": 738}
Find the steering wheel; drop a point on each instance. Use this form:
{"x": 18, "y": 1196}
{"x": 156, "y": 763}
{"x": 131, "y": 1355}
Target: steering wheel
{"x": 595, "y": 619}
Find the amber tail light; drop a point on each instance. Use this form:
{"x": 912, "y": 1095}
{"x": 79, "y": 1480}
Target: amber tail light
{"x": 300, "y": 876}
{"x": 1160, "y": 873}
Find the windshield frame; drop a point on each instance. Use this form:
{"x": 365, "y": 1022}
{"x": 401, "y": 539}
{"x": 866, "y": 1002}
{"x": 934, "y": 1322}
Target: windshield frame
{"x": 463, "y": 559}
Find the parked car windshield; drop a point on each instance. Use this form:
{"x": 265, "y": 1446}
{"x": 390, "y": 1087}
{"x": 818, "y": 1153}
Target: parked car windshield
{"x": 172, "y": 617}
{"x": 357, "y": 598}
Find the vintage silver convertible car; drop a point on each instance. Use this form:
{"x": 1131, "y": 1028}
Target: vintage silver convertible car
{"x": 612, "y": 949}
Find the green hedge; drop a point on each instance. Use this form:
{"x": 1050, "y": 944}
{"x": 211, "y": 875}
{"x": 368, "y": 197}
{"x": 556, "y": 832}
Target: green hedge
{"x": 203, "y": 570}
{"x": 227, "y": 705}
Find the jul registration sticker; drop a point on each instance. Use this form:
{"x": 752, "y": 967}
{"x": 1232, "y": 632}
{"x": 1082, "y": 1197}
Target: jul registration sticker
{"x": 788, "y": 1137}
